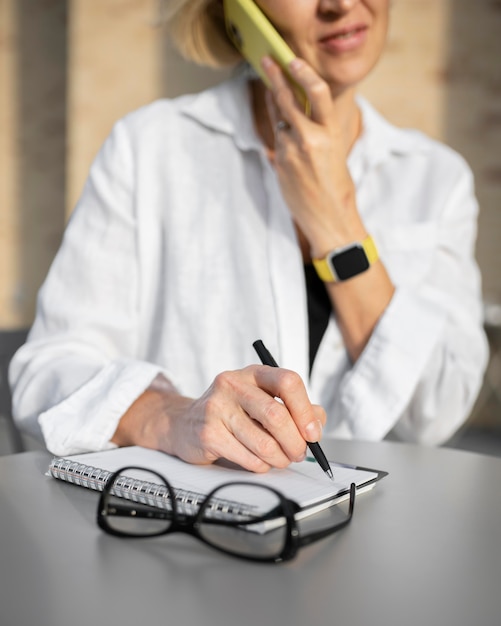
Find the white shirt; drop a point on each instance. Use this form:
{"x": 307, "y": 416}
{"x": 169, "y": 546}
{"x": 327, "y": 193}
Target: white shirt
{"x": 182, "y": 252}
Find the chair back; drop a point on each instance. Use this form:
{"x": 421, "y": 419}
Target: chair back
{"x": 10, "y": 341}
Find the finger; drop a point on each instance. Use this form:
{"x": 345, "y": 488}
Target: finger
{"x": 259, "y": 442}
{"x": 219, "y": 440}
{"x": 209, "y": 439}
{"x": 229, "y": 429}
{"x": 281, "y": 127}
{"x": 286, "y": 103}
{"x": 320, "y": 414}
{"x": 240, "y": 452}
{"x": 272, "y": 108}
{"x": 289, "y": 387}
{"x": 280, "y": 437}
{"x": 317, "y": 90}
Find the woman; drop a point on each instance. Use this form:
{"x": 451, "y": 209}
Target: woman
{"x": 195, "y": 236}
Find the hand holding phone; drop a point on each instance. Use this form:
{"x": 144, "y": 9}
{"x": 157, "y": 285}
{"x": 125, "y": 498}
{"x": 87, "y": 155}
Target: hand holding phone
{"x": 255, "y": 37}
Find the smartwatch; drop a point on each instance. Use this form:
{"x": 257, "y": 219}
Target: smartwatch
{"x": 346, "y": 262}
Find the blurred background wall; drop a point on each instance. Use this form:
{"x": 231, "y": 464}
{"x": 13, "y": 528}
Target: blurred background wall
{"x": 70, "y": 68}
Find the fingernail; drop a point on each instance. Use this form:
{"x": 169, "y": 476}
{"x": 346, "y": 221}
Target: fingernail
{"x": 314, "y": 431}
{"x": 266, "y": 62}
{"x": 295, "y": 64}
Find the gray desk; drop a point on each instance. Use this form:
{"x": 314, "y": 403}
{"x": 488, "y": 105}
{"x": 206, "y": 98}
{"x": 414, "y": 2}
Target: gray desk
{"x": 424, "y": 548}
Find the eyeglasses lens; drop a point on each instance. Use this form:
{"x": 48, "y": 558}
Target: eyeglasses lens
{"x": 138, "y": 504}
{"x": 246, "y": 520}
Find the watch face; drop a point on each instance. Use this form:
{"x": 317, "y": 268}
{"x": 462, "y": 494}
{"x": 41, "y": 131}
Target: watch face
{"x": 350, "y": 262}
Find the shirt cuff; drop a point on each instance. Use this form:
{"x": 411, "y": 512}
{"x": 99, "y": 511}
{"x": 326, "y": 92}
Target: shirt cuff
{"x": 87, "y": 419}
{"x": 382, "y": 382}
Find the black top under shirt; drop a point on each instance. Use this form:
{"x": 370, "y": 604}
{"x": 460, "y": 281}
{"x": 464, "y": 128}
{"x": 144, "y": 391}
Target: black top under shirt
{"x": 319, "y": 309}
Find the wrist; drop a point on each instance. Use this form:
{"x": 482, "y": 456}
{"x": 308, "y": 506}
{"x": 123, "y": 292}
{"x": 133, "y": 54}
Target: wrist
{"x": 147, "y": 422}
{"x": 331, "y": 238}
{"x": 334, "y": 230}
{"x": 348, "y": 261}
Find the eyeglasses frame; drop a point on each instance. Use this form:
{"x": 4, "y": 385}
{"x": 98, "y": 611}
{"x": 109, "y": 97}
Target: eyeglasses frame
{"x": 190, "y": 524}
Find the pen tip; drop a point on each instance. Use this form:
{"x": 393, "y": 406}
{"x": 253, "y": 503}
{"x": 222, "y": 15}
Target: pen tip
{"x": 330, "y": 474}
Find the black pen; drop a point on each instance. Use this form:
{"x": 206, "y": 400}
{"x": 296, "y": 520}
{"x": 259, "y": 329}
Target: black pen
{"x": 315, "y": 449}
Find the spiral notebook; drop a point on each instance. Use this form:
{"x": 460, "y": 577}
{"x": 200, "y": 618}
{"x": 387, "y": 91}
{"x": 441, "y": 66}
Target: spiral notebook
{"x": 304, "y": 482}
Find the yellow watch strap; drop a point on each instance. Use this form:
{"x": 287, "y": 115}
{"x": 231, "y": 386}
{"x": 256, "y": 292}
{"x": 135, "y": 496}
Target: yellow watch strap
{"x": 370, "y": 249}
{"x": 323, "y": 267}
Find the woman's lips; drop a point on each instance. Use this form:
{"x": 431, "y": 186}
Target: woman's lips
{"x": 345, "y": 40}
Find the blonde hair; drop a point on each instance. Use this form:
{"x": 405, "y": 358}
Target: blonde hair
{"x": 198, "y": 32}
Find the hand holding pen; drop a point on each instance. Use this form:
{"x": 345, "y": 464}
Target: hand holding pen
{"x": 237, "y": 419}
{"x": 315, "y": 449}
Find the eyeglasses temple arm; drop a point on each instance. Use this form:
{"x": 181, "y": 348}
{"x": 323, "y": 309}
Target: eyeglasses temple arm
{"x": 305, "y": 540}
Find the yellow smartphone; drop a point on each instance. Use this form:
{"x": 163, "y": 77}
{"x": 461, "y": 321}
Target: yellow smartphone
{"x": 255, "y": 37}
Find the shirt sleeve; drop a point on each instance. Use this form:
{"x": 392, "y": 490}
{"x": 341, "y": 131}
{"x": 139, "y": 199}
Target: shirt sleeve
{"x": 81, "y": 367}
{"x": 421, "y": 371}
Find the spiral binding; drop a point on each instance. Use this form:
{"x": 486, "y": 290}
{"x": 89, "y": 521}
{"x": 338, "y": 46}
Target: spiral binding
{"x": 151, "y": 494}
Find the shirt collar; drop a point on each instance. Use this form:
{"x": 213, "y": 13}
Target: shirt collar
{"x": 226, "y": 108}
{"x": 381, "y": 140}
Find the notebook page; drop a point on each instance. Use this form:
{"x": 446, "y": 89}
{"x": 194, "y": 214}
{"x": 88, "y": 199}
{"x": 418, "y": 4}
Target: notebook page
{"x": 302, "y": 482}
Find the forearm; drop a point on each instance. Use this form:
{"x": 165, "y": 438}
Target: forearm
{"x": 311, "y": 164}
{"x": 358, "y": 304}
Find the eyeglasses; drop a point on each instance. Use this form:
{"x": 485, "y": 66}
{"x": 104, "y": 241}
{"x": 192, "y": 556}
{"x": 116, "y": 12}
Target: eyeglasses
{"x": 243, "y": 519}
